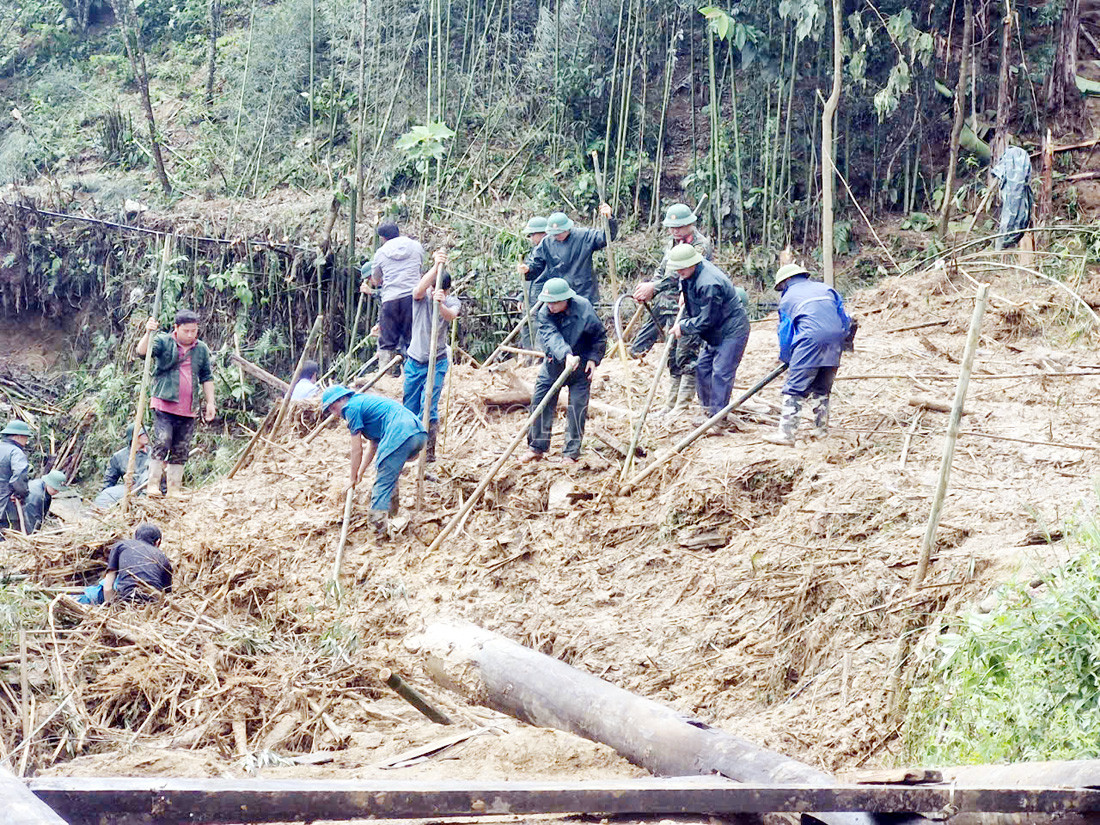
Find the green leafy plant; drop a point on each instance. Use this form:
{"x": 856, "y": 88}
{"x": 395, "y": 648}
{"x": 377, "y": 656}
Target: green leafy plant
{"x": 423, "y": 144}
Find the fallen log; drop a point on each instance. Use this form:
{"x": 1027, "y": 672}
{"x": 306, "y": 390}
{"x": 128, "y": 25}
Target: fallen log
{"x": 259, "y": 373}
{"x": 540, "y": 690}
{"x": 934, "y": 404}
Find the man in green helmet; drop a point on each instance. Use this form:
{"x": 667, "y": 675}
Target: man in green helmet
{"x": 535, "y": 232}
{"x": 13, "y": 473}
{"x": 40, "y": 496}
{"x": 566, "y": 252}
{"x": 663, "y": 295}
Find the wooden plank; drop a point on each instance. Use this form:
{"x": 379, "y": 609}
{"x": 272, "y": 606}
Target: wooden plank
{"x": 124, "y": 800}
{"x": 18, "y": 806}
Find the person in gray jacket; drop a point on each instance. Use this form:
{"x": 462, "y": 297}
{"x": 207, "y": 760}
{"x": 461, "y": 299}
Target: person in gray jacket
{"x": 40, "y": 496}
{"x": 396, "y": 267}
{"x": 116, "y": 466}
{"x": 14, "y": 468}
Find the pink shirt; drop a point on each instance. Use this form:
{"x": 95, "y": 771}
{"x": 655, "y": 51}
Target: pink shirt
{"x": 183, "y": 406}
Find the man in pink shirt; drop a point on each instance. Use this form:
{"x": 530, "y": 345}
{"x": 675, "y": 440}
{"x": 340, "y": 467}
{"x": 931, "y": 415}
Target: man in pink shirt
{"x": 181, "y": 364}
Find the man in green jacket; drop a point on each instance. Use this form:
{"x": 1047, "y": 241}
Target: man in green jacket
{"x": 181, "y": 364}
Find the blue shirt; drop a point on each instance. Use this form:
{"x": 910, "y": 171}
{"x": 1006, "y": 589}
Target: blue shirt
{"x": 384, "y": 421}
{"x": 812, "y": 325}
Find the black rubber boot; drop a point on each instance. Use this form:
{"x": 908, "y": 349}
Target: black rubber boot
{"x": 433, "y": 433}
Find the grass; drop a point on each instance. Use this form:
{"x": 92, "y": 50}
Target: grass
{"x": 1021, "y": 682}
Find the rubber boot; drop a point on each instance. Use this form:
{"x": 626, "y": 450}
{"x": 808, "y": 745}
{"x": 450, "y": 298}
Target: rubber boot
{"x": 175, "y": 479}
{"x": 685, "y": 395}
{"x": 395, "y": 499}
{"x": 433, "y": 433}
{"x": 156, "y": 473}
{"x": 820, "y": 406}
{"x": 384, "y": 358}
{"x": 379, "y": 522}
{"x": 788, "y": 422}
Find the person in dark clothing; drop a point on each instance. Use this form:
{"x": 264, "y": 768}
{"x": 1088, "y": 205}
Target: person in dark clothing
{"x": 14, "y": 468}
{"x": 572, "y": 336}
{"x": 713, "y": 311}
{"x": 116, "y": 466}
{"x": 396, "y": 267}
{"x": 137, "y": 569}
{"x": 40, "y": 495}
{"x": 535, "y": 230}
{"x": 813, "y": 327}
{"x": 566, "y": 252}
{"x": 181, "y": 365}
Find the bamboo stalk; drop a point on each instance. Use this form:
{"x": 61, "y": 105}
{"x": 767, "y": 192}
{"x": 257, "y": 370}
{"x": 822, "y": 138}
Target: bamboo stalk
{"x": 338, "y": 564}
{"x": 413, "y": 696}
{"x": 510, "y": 336}
{"x": 628, "y": 461}
{"x": 448, "y": 391}
{"x": 285, "y": 404}
{"x": 429, "y": 386}
{"x": 475, "y": 496}
{"x": 952, "y": 436}
{"x": 143, "y": 392}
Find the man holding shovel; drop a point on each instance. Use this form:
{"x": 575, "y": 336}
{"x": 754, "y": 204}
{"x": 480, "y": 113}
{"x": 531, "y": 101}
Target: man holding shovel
{"x": 14, "y": 468}
{"x": 395, "y": 436}
{"x": 573, "y": 338}
{"x": 662, "y": 292}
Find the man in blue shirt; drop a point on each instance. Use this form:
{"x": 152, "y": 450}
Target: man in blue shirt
{"x": 395, "y": 436}
{"x": 813, "y": 327}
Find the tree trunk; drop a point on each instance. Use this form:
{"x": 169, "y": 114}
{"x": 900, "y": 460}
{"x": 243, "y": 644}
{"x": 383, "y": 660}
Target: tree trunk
{"x": 960, "y": 117}
{"x": 1004, "y": 97}
{"x": 213, "y": 19}
{"x": 828, "y": 152}
{"x": 1064, "y": 100}
{"x": 543, "y": 691}
{"x": 131, "y": 37}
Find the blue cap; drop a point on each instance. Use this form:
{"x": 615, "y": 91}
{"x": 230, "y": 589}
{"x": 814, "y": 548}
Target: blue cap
{"x": 334, "y": 394}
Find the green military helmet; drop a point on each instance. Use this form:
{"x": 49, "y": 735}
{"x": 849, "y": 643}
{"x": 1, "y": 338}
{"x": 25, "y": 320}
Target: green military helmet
{"x": 679, "y": 214}
{"x": 56, "y": 480}
{"x": 535, "y": 225}
{"x": 558, "y": 222}
{"x": 683, "y": 256}
{"x": 17, "y": 427}
{"x": 788, "y": 271}
{"x": 555, "y": 290}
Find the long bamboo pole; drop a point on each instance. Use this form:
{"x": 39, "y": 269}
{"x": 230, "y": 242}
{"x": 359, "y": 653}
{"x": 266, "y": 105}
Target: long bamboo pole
{"x": 285, "y": 405}
{"x": 611, "y": 271}
{"x": 338, "y": 564}
{"x": 429, "y": 386}
{"x": 511, "y": 335}
{"x": 952, "y": 436}
{"x": 143, "y": 393}
{"x": 701, "y": 430}
{"x": 628, "y": 462}
{"x": 475, "y": 496}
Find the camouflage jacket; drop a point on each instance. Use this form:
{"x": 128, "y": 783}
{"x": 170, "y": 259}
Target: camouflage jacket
{"x": 666, "y": 297}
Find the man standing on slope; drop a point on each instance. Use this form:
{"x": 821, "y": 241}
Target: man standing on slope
{"x": 535, "y": 230}
{"x": 181, "y": 364}
{"x": 714, "y": 311}
{"x": 813, "y": 329}
{"x": 396, "y": 267}
{"x": 14, "y": 469}
{"x": 572, "y": 337}
{"x": 395, "y": 436}
{"x": 663, "y": 294}
{"x": 566, "y": 252}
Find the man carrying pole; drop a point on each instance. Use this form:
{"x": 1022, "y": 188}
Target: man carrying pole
{"x": 181, "y": 365}
{"x": 574, "y": 340}
{"x": 712, "y": 310}
{"x": 813, "y": 330}
{"x": 662, "y": 293}
{"x": 432, "y": 305}
{"x": 566, "y": 252}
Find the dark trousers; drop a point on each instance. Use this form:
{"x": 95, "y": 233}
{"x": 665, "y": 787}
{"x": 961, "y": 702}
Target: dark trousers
{"x": 172, "y": 437}
{"x": 717, "y": 370}
{"x": 395, "y": 324}
{"x": 683, "y": 356}
{"x": 808, "y": 381}
{"x": 538, "y": 437}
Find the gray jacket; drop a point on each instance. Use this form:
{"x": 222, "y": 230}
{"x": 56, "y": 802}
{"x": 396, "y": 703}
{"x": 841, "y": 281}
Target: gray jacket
{"x": 37, "y": 505}
{"x": 116, "y": 467}
{"x": 13, "y": 472}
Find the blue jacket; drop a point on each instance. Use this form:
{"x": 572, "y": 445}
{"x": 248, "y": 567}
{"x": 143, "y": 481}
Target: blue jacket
{"x": 384, "y": 421}
{"x": 576, "y": 331}
{"x": 570, "y": 259}
{"x": 712, "y": 307}
{"x": 812, "y": 325}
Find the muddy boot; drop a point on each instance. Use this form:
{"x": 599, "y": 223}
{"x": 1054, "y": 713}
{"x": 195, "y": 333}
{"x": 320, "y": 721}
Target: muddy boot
{"x": 685, "y": 396}
{"x": 820, "y": 405}
{"x": 433, "y": 433}
{"x": 384, "y": 358}
{"x": 175, "y": 479}
{"x": 788, "y": 422}
{"x": 673, "y": 394}
{"x": 379, "y": 521}
{"x": 156, "y": 473}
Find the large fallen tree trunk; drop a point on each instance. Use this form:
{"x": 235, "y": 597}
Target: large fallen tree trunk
{"x": 540, "y": 690}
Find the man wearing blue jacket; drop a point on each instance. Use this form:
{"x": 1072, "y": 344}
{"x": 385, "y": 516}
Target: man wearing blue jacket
{"x": 713, "y": 311}
{"x": 395, "y": 436}
{"x": 572, "y": 336}
{"x": 813, "y": 327}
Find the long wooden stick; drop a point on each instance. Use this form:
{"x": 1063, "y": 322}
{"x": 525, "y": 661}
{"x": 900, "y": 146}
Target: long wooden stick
{"x": 429, "y": 387}
{"x": 242, "y": 461}
{"x": 143, "y": 393}
{"x": 338, "y": 564}
{"x": 393, "y": 362}
{"x": 354, "y": 331}
{"x": 449, "y": 391}
{"x": 601, "y": 186}
{"x": 259, "y": 373}
{"x": 701, "y": 430}
{"x": 628, "y": 462}
{"x": 285, "y": 404}
{"x": 952, "y": 436}
{"x": 413, "y": 696}
{"x": 511, "y": 336}
{"x": 475, "y": 496}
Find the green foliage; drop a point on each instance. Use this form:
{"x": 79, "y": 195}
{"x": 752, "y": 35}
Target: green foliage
{"x": 1021, "y": 682}
{"x": 919, "y": 221}
{"x": 423, "y": 144}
